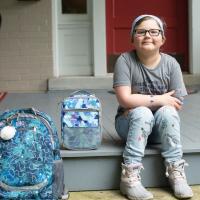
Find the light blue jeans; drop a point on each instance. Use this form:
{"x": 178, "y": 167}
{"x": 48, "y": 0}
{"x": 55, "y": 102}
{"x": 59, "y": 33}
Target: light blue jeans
{"x": 141, "y": 125}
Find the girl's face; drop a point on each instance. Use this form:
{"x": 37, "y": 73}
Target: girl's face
{"x": 148, "y": 42}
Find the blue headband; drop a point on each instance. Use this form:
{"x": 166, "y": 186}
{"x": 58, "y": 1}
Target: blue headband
{"x": 142, "y": 16}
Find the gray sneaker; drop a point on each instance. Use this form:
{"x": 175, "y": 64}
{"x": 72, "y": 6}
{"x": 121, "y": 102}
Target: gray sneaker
{"x": 177, "y": 179}
{"x": 131, "y": 185}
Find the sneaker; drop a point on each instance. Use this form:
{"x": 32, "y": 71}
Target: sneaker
{"x": 177, "y": 179}
{"x": 131, "y": 185}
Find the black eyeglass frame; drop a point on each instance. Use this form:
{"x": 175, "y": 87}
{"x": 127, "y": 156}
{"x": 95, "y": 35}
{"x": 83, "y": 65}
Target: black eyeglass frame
{"x": 145, "y": 32}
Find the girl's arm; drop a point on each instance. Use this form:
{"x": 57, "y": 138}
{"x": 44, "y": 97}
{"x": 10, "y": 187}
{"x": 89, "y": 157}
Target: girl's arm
{"x": 128, "y": 100}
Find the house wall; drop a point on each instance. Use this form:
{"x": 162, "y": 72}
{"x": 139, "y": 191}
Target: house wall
{"x": 27, "y": 60}
{"x": 26, "y": 57}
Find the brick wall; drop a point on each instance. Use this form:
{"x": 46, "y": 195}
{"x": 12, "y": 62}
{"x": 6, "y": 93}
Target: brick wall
{"x": 26, "y": 60}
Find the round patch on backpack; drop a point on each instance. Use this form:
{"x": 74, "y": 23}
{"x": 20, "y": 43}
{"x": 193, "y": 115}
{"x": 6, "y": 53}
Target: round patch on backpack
{"x": 8, "y": 132}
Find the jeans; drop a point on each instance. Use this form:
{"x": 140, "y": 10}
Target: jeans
{"x": 141, "y": 125}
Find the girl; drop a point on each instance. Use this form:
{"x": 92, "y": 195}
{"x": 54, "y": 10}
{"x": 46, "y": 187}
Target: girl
{"x": 149, "y": 88}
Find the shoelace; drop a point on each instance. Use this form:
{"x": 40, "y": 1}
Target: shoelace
{"x": 177, "y": 171}
{"x": 134, "y": 173}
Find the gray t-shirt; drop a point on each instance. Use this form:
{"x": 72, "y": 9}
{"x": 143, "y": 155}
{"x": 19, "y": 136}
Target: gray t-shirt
{"x": 167, "y": 76}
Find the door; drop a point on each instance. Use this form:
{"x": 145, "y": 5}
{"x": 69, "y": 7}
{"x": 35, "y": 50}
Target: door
{"x": 119, "y": 17}
{"x": 74, "y": 37}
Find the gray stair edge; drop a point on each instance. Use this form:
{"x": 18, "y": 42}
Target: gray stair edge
{"x": 116, "y": 150}
{"x": 103, "y": 173}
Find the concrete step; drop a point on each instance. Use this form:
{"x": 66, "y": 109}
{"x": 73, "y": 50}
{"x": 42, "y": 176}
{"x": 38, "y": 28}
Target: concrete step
{"x": 100, "y": 169}
{"x": 99, "y": 82}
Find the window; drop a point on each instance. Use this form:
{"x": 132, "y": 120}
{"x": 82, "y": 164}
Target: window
{"x": 74, "y": 6}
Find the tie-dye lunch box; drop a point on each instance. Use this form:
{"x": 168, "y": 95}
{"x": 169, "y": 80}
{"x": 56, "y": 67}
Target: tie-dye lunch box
{"x": 81, "y": 126}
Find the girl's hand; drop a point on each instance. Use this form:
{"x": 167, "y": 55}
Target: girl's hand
{"x": 168, "y": 99}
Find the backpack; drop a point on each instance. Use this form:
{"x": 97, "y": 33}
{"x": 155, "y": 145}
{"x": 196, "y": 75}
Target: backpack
{"x": 81, "y": 126}
{"x": 30, "y": 163}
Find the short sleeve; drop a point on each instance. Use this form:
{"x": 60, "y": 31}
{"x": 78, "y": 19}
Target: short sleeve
{"x": 122, "y": 75}
{"x": 176, "y": 81}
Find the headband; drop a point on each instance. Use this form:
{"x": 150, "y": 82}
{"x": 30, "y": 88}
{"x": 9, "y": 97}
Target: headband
{"x": 142, "y": 16}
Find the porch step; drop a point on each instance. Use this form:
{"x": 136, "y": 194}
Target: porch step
{"x": 99, "y": 82}
{"x": 83, "y": 82}
{"x": 100, "y": 169}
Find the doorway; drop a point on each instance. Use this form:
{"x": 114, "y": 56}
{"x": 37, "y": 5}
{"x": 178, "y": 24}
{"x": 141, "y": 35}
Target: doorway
{"x": 74, "y": 31}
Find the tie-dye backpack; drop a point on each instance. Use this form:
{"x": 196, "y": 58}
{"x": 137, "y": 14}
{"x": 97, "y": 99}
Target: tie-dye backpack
{"x": 81, "y": 125}
{"x": 30, "y": 162}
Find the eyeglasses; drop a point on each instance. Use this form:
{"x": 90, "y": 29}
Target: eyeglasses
{"x": 152, "y": 32}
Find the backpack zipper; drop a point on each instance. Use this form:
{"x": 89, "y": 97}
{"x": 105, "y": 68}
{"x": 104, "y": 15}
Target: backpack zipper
{"x": 81, "y": 109}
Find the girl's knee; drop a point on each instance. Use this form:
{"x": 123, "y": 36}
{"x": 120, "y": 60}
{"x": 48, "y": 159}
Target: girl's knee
{"x": 141, "y": 121}
{"x": 168, "y": 112}
{"x": 141, "y": 113}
